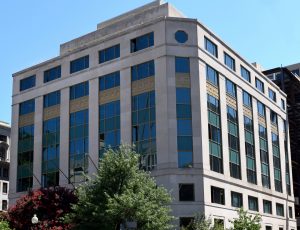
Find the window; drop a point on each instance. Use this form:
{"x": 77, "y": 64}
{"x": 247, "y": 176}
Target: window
{"x": 282, "y": 104}
{"x": 259, "y": 85}
{"x": 182, "y": 65}
{"x": 5, "y": 172}
{"x": 3, "y": 138}
{"x": 78, "y": 145}
{"x": 185, "y": 221}
{"x": 186, "y": 192}
{"x": 109, "y": 125}
{"x": 291, "y": 212}
{"x": 25, "y": 158}
{"x": 273, "y": 117}
{"x": 50, "y": 154}
{"x": 268, "y": 227}
{"x": 181, "y": 36}
{"x": 219, "y": 223}
{"x": 229, "y": 61}
{"x": 142, "y": 71}
{"x": 211, "y": 47}
{"x": 272, "y": 95}
{"x": 4, "y": 205}
{"x": 79, "y": 64}
{"x": 184, "y": 117}
{"x": 245, "y": 74}
{"x": 27, "y": 83}
{"x": 247, "y": 99}
{"x": 261, "y": 109}
{"x": 236, "y": 200}
{"x": 214, "y": 132}
{"x": 267, "y": 205}
{"x": 4, "y": 189}
{"x": 109, "y": 81}
{"x": 212, "y": 75}
{"x": 27, "y": 107}
{"x": 52, "y": 74}
{"x": 264, "y": 157}
{"x": 217, "y": 195}
{"x": 142, "y": 42}
{"x": 279, "y": 209}
{"x": 144, "y": 128}
{"x": 230, "y": 88}
{"x": 52, "y": 99}
{"x": 253, "y": 203}
{"x": 250, "y": 150}
{"x": 79, "y": 90}
{"x": 233, "y": 143}
{"x": 109, "y": 54}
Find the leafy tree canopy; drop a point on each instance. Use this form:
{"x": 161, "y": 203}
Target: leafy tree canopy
{"x": 120, "y": 193}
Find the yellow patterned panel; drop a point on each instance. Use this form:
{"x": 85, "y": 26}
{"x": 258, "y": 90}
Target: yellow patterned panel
{"x": 212, "y": 90}
{"x": 262, "y": 121}
{"x": 247, "y": 112}
{"x": 51, "y": 112}
{"x": 274, "y": 128}
{"x": 231, "y": 101}
{"x": 109, "y": 95}
{"x": 79, "y": 104}
{"x": 27, "y": 119}
{"x": 142, "y": 86}
{"x": 183, "y": 80}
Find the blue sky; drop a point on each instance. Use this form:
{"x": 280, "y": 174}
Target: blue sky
{"x": 265, "y": 31}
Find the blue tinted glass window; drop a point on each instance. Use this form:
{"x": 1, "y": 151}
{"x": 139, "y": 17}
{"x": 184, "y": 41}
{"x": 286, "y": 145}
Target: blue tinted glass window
{"x": 181, "y": 36}
{"x": 211, "y": 75}
{"x": 109, "y": 53}
{"x": 185, "y": 159}
{"x": 27, "y": 107}
{"x": 211, "y": 47}
{"x": 230, "y": 88}
{"x": 272, "y": 95}
{"x": 27, "y": 83}
{"x": 182, "y": 65}
{"x": 259, "y": 85}
{"x": 183, "y": 95}
{"x": 245, "y": 74}
{"x": 229, "y": 61}
{"x": 52, "y": 74}
{"x": 52, "y": 99}
{"x": 247, "y": 99}
{"x": 142, "y": 42}
{"x": 261, "y": 108}
{"x": 79, "y": 64}
{"x": 184, "y": 127}
{"x": 79, "y": 90}
{"x": 109, "y": 81}
{"x": 142, "y": 71}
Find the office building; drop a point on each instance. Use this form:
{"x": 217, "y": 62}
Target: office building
{"x": 287, "y": 78}
{"x": 198, "y": 113}
{"x": 4, "y": 164}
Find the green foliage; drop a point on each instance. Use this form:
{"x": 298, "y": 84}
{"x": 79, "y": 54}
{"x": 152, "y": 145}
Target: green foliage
{"x": 200, "y": 222}
{"x": 245, "y": 221}
{"x": 4, "y": 225}
{"x": 121, "y": 192}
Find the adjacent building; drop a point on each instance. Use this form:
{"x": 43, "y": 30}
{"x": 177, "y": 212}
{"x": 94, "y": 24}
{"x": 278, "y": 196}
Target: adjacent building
{"x": 199, "y": 114}
{"x": 287, "y": 78}
{"x": 4, "y": 164}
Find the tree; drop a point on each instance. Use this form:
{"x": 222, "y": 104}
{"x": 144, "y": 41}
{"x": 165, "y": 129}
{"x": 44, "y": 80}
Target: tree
{"x": 49, "y": 204}
{"x": 245, "y": 221}
{"x": 200, "y": 222}
{"x": 4, "y": 225}
{"x": 119, "y": 193}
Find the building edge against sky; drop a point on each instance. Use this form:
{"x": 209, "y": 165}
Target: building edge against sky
{"x": 202, "y": 117}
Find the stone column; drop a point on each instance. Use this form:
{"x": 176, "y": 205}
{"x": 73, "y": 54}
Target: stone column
{"x": 38, "y": 141}
{"x": 93, "y": 126}
{"x": 64, "y": 137}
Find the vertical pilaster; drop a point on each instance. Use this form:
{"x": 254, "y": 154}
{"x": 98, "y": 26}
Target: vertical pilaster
{"x": 224, "y": 127}
{"x": 282, "y": 153}
{"x": 125, "y": 104}
{"x": 93, "y": 126}
{"x": 240, "y": 113}
{"x": 256, "y": 142}
{"x": 166, "y": 123}
{"x": 64, "y": 137}
{"x": 38, "y": 139}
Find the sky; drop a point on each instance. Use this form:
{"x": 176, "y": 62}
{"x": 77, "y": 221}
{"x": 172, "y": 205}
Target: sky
{"x": 263, "y": 31}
